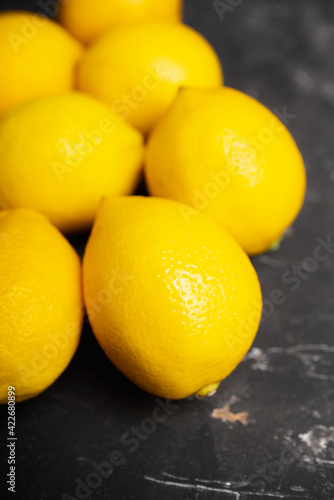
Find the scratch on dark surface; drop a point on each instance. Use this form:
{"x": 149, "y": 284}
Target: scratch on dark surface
{"x": 227, "y": 484}
{"x": 84, "y": 459}
{"x": 309, "y": 354}
{"x": 297, "y": 488}
{"x": 326, "y": 462}
{"x": 272, "y": 262}
{"x": 308, "y": 359}
{"x": 234, "y": 494}
{"x": 303, "y": 347}
{"x": 174, "y": 477}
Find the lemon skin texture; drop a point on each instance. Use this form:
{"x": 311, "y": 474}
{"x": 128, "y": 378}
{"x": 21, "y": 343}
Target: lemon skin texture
{"x": 61, "y": 154}
{"x": 138, "y": 69}
{"x": 172, "y": 299}
{"x": 40, "y": 303}
{"x": 87, "y": 20}
{"x": 231, "y": 158}
{"x": 37, "y": 58}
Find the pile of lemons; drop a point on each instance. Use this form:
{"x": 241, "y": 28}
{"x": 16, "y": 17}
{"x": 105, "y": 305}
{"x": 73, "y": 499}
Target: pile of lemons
{"x": 87, "y": 103}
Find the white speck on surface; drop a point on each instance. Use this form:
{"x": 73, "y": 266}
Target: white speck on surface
{"x": 297, "y": 488}
{"x": 260, "y": 358}
{"x": 227, "y": 484}
{"x": 318, "y": 438}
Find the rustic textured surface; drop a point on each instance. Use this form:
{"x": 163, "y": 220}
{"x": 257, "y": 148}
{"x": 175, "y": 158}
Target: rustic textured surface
{"x": 280, "y": 444}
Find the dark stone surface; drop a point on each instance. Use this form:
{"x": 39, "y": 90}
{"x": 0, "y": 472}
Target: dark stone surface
{"x": 282, "y": 53}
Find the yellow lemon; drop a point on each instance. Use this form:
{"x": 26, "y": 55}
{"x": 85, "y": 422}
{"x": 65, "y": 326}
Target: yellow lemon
{"x": 40, "y": 303}
{"x": 137, "y": 69}
{"x": 174, "y": 304}
{"x": 61, "y": 154}
{"x": 37, "y": 57}
{"x": 87, "y": 20}
{"x": 226, "y": 155}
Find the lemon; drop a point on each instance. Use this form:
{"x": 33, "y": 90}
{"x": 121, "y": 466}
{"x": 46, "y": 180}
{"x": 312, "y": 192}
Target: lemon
{"x": 86, "y": 20}
{"x": 137, "y": 69}
{"x": 40, "y": 303}
{"x": 37, "y": 57}
{"x": 226, "y": 155}
{"x": 61, "y": 154}
{"x": 174, "y": 304}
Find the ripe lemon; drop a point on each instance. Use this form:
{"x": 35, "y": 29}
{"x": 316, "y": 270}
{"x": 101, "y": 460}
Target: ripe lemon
{"x": 40, "y": 303}
{"x": 174, "y": 304}
{"x": 225, "y": 154}
{"x": 37, "y": 57}
{"x": 137, "y": 69}
{"x": 61, "y": 154}
{"x": 87, "y": 20}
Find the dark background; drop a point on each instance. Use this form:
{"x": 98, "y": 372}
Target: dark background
{"x": 280, "y": 52}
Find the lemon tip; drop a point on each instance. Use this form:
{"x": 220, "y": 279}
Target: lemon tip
{"x": 208, "y": 390}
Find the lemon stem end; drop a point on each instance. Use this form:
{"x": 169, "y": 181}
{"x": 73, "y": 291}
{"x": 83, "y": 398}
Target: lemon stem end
{"x": 208, "y": 390}
{"x": 276, "y": 245}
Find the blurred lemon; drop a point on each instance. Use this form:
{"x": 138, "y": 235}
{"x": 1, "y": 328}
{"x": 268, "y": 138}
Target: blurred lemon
{"x": 40, "y": 303}
{"x": 223, "y": 153}
{"x": 61, "y": 154}
{"x": 138, "y": 69}
{"x": 174, "y": 304}
{"x": 87, "y": 20}
{"x": 37, "y": 57}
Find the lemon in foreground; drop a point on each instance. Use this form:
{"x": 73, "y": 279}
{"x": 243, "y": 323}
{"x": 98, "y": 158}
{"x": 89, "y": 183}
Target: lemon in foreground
{"x": 86, "y": 20}
{"x": 37, "y": 57}
{"x": 40, "y": 303}
{"x": 61, "y": 154}
{"x": 229, "y": 157}
{"x": 137, "y": 69}
{"x": 174, "y": 304}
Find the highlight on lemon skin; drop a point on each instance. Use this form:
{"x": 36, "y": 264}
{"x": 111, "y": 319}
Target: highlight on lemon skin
{"x": 41, "y": 310}
{"x": 87, "y": 20}
{"x": 38, "y": 57}
{"x": 62, "y": 154}
{"x": 188, "y": 302}
{"x": 232, "y": 159}
{"x": 139, "y": 78}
